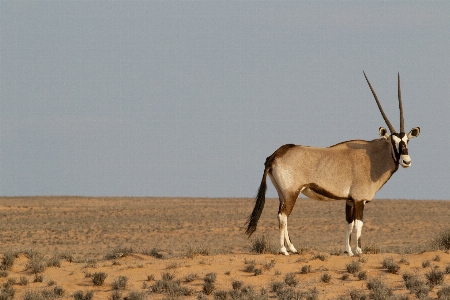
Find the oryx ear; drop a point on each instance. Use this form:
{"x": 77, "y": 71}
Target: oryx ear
{"x": 414, "y": 132}
{"x": 383, "y": 132}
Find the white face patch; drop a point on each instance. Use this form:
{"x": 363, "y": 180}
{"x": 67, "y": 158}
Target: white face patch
{"x": 397, "y": 141}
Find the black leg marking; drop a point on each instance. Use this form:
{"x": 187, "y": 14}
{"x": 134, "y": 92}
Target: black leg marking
{"x": 359, "y": 210}
{"x": 349, "y": 212}
{"x": 359, "y": 242}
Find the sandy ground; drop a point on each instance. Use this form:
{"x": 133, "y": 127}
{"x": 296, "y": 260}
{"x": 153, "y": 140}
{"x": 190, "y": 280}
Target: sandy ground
{"x": 90, "y": 229}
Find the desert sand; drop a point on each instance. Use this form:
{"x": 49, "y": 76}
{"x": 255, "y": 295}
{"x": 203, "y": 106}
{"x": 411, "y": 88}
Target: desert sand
{"x": 189, "y": 238}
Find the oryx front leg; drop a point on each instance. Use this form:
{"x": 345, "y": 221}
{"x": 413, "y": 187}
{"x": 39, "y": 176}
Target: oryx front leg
{"x": 354, "y": 216}
{"x": 284, "y": 236}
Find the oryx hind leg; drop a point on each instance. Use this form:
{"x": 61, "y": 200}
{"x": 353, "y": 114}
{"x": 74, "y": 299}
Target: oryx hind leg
{"x": 286, "y": 206}
{"x": 354, "y": 216}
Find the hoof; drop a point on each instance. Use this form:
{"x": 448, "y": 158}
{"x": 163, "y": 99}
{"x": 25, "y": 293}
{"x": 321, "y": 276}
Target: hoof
{"x": 349, "y": 253}
{"x": 283, "y": 251}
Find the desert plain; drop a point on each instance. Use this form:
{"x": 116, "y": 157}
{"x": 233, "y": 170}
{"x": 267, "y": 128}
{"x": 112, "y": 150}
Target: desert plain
{"x": 167, "y": 248}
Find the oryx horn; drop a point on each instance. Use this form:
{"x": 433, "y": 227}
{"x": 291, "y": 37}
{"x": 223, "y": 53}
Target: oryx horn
{"x": 391, "y": 128}
{"x": 400, "y": 106}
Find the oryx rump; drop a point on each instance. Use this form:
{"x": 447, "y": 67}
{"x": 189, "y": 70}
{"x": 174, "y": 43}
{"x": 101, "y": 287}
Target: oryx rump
{"x": 352, "y": 171}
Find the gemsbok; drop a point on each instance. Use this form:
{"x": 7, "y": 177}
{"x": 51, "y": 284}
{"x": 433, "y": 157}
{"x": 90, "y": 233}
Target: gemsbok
{"x": 352, "y": 171}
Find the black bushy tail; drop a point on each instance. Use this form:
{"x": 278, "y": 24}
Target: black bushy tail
{"x": 252, "y": 220}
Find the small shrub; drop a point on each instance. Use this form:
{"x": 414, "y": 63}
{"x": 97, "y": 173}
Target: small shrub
{"x": 58, "y": 291}
{"x": 404, "y": 261}
{"x": 197, "y": 250}
{"x": 262, "y": 245}
{"x": 269, "y": 265}
{"x": 250, "y": 268}
{"x": 3, "y": 273}
{"x": 391, "y": 265}
{"x": 378, "y": 290}
{"x": 345, "y": 276}
{"x": 353, "y": 267}
{"x": 120, "y": 283}
{"x": 190, "y": 277}
{"x": 116, "y": 295}
{"x": 36, "y": 263}
{"x": 7, "y": 261}
{"x": 362, "y": 275}
{"x": 91, "y": 263}
{"x": 220, "y": 295}
{"x": 79, "y": 295}
{"x": 290, "y": 280}
{"x": 237, "y": 285}
{"x": 210, "y": 277}
{"x": 38, "y": 278}
{"x": 208, "y": 288}
{"x": 444, "y": 293}
{"x": 447, "y": 269}
{"x": 7, "y": 292}
{"x": 51, "y": 282}
{"x": 325, "y": 277}
{"x": 23, "y": 280}
{"x": 437, "y": 258}
{"x": 426, "y": 264}
{"x": 305, "y": 269}
{"x": 276, "y": 286}
{"x": 258, "y": 272}
{"x": 442, "y": 240}
{"x": 320, "y": 256}
{"x": 54, "y": 261}
{"x": 99, "y": 278}
{"x": 119, "y": 252}
{"x": 371, "y": 249}
{"x": 156, "y": 254}
{"x": 134, "y": 295}
{"x": 167, "y": 276}
{"x": 415, "y": 286}
{"x": 435, "y": 277}
{"x": 357, "y": 295}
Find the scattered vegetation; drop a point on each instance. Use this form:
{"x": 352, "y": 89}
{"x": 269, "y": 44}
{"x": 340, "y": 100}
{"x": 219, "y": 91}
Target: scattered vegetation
{"x": 371, "y": 249}
{"x": 192, "y": 251}
{"x": 119, "y": 252}
{"x": 155, "y": 254}
{"x": 169, "y": 286}
{"x": 7, "y": 291}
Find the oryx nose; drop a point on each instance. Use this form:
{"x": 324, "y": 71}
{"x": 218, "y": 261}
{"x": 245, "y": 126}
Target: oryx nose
{"x": 407, "y": 162}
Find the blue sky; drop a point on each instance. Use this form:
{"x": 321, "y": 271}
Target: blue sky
{"x": 147, "y": 98}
